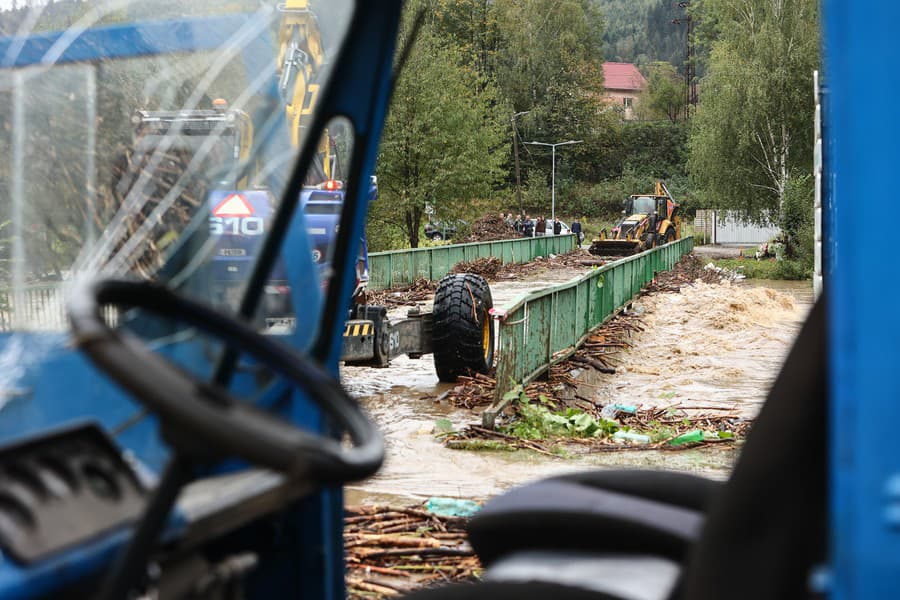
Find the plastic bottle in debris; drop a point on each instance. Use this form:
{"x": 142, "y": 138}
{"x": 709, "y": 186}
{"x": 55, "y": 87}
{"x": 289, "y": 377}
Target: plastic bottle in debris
{"x": 451, "y": 507}
{"x": 610, "y": 411}
{"x": 690, "y": 437}
{"x": 631, "y": 436}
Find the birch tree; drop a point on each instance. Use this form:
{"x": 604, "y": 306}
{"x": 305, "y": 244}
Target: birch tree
{"x": 752, "y": 133}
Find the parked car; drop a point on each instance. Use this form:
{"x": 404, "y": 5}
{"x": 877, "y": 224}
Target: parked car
{"x": 441, "y": 230}
{"x": 565, "y": 228}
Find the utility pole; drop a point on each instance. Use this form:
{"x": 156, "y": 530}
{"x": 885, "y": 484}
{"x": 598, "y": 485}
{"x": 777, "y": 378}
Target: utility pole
{"x": 553, "y": 171}
{"x": 690, "y": 69}
{"x": 516, "y": 154}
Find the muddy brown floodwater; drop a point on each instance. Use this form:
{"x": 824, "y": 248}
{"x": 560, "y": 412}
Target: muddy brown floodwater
{"x": 710, "y": 345}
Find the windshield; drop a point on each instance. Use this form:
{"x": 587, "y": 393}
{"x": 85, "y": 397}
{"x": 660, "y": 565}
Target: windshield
{"x": 157, "y": 151}
{"x": 640, "y": 205}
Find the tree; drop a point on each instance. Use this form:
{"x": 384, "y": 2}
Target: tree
{"x": 638, "y": 29}
{"x": 548, "y": 46}
{"x": 471, "y": 26}
{"x": 442, "y": 140}
{"x": 752, "y": 133}
{"x": 549, "y": 62}
{"x": 666, "y": 94}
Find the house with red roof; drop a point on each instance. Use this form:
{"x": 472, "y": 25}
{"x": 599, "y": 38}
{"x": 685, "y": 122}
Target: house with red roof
{"x": 624, "y": 85}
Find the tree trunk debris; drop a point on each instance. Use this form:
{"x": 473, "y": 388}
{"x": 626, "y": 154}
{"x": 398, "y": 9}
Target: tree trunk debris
{"x": 393, "y": 550}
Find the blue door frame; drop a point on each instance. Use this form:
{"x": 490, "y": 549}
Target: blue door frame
{"x": 862, "y": 282}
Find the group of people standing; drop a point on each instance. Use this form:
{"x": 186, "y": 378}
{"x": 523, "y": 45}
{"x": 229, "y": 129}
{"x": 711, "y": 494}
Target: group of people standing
{"x": 528, "y": 227}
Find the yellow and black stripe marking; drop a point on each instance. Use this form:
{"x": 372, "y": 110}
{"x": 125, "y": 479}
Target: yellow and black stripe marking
{"x": 358, "y": 328}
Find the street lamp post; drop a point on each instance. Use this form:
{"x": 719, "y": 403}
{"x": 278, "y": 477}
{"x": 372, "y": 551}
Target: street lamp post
{"x": 553, "y": 171}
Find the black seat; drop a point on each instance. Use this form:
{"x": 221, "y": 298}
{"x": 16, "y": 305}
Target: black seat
{"x": 647, "y": 534}
{"x": 616, "y": 511}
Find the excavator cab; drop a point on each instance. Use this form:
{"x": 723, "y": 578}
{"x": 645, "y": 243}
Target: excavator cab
{"x": 648, "y": 220}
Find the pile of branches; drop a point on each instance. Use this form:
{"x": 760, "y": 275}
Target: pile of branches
{"x": 478, "y": 390}
{"x": 419, "y": 290}
{"x": 394, "y": 550}
{"x": 489, "y": 228}
{"x": 470, "y": 392}
{"x": 600, "y": 350}
{"x": 487, "y": 267}
{"x": 147, "y": 178}
{"x": 687, "y": 271}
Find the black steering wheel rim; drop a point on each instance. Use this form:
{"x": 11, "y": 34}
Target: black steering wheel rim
{"x": 204, "y": 415}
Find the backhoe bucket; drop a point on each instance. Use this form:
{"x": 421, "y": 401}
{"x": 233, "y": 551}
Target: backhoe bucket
{"x": 615, "y": 247}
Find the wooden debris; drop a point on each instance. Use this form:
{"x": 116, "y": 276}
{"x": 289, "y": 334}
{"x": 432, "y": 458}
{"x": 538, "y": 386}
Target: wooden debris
{"x": 573, "y": 259}
{"x": 418, "y": 291}
{"x": 476, "y": 390}
{"x": 686, "y": 271}
{"x": 490, "y": 227}
{"x": 429, "y": 549}
{"x": 487, "y": 267}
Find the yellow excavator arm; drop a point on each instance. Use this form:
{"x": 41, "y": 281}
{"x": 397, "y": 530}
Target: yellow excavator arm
{"x": 300, "y": 58}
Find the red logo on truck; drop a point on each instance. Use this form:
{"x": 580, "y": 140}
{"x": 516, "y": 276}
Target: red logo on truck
{"x": 234, "y": 205}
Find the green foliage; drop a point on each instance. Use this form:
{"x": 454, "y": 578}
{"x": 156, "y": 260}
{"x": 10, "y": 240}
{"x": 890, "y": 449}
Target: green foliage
{"x": 666, "y": 95}
{"x": 797, "y": 219}
{"x": 751, "y": 133}
{"x": 659, "y": 432}
{"x": 641, "y": 31}
{"x": 549, "y": 62}
{"x": 792, "y": 270}
{"x": 472, "y": 26}
{"x": 767, "y": 268}
{"x": 442, "y": 140}
{"x": 481, "y": 445}
{"x": 635, "y": 156}
{"x": 537, "y": 421}
{"x": 549, "y": 55}
{"x": 443, "y": 426}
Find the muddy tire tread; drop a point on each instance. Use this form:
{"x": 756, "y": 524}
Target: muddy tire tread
{"x": 457, "y": 335}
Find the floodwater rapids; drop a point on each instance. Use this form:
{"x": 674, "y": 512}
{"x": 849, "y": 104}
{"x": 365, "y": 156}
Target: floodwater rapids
{"x": 709, "y": 346}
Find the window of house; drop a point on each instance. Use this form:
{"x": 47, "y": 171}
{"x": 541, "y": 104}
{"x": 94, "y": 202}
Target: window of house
{"x": 626, "y": 102}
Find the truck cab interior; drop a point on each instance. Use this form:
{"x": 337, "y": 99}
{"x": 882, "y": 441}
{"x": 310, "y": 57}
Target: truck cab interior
{"x": 205, "y": 459}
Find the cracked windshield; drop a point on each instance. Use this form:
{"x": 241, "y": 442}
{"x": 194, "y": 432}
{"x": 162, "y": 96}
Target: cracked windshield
{"x": 166, "y": 167}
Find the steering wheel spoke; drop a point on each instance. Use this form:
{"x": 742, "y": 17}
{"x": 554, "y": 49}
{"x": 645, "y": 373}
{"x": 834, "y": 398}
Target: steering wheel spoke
{"x": 203, "y": 417}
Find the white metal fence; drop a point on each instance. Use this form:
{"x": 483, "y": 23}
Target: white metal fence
{"x": 727, "y": 227}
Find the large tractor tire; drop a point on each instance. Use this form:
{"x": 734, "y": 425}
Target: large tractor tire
{"x": 463, "y": 333}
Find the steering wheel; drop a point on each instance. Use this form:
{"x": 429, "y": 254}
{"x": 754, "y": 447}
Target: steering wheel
{"x": 207, "y": 415}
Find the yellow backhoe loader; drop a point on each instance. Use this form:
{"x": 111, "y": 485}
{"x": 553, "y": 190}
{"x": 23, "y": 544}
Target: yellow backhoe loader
{"x": 649, "y": 220}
